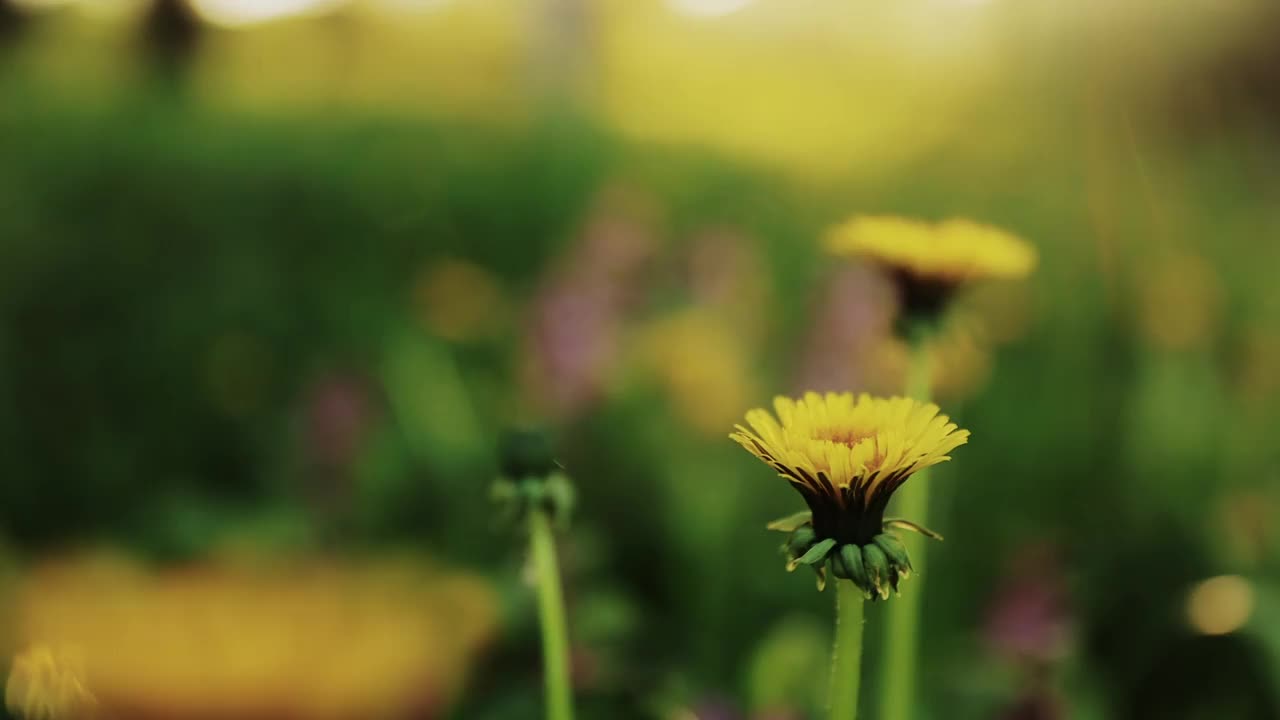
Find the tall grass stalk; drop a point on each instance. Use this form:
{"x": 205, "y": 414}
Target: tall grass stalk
{"x": 898, "y": 693}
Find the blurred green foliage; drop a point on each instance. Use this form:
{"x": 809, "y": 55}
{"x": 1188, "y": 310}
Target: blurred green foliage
{"x": 175, "y": 281}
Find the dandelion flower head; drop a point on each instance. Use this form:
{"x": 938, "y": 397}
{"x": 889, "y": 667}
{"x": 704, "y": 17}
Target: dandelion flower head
{"x": 955, "y": 250}
{"x": 846, "y": 455}
{"x": 930, "y": 261}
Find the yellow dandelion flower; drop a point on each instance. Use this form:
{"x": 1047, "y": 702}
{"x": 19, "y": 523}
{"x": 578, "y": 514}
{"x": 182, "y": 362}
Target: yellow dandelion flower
{"x": 846, "y": 456}
{"x": 929, "y": 261}
{"x": 48, "y": 685}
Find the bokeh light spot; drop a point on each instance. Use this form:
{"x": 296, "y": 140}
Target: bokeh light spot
{"x": 236, "y": 13}
{"x": 410, "y": 6}
{"x": 708, "y": 8}
{"x": 1220, "y": 605}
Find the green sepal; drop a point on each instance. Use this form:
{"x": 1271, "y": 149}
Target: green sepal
{"x": 791, "y": 523}
{"x": 814, "y": 556}
{"x": 877, "y": 566}
{"x": 821, "y": 571}
{"x": 800, "y": 541}
{"x": 851, "y": 557}
{"x": 837, "y": 566}
{"x": 516, "y": 497}
{"x": 896, "y": 552}
{"x": 533, "y": 491}
{"x": 560, "y": 497}
{"x": 913, "y": 527}
{"x": 509, "y": 499}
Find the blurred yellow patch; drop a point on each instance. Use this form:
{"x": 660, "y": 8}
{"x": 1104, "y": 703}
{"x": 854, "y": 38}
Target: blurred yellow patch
{"x": 960, "y": 363}
{"x": 45, "y": 684}
{"x": 230, "y": 640}
{"x": 1256, "y": 379}
{"x": 372, "y": 54}
{"x": 952, "y": 251}
{"x": 819, "y": 86}
{"x": 1006, "y": 312}
{"x": 699, "y": 360}
{"x": 1220, "y": 605}
{"x": 1179, "y": 298}
{"x": 458, "y": 300}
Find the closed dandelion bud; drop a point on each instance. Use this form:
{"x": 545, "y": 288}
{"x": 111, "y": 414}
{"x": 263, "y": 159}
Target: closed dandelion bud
{"x": 530, "y": 478}
{"x": 896, "y": 552}
{"x": 524, "y": 454}
{"x": 851, "y": 556}
{"x": 877, "y": 566}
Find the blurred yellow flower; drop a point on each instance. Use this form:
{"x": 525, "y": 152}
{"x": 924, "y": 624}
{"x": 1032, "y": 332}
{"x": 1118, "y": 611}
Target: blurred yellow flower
{"x": 954, "y": 250}
{"x": 239, "y": 641}
{"x": 1255, "y": 378}
{"x": 48, "y": 685}
{"x": 929, "y": 261}
{"x": 847, "y": 455}
{"x": 459, "y": 301}
{"x": 698, "y": 358}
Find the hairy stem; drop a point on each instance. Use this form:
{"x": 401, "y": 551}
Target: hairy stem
{"x": 846, "y": 657}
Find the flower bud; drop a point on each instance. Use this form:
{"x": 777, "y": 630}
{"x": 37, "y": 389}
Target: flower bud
{"x": 531, "y": 479}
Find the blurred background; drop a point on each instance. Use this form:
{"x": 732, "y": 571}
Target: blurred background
{"x": 276, "y": 274}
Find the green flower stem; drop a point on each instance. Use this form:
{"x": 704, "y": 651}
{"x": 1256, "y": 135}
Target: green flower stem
{"x": 555, "y": 636}
{"x": 846, "y": 657}
{"x": 902, "y": 643}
